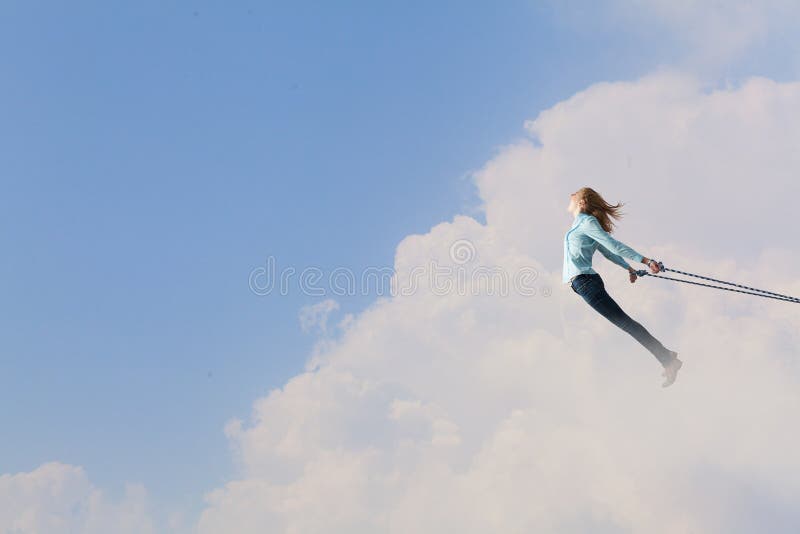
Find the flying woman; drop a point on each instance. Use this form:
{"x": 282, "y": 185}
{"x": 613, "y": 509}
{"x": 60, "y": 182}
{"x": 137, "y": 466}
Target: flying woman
{"x": 590, "y": 232}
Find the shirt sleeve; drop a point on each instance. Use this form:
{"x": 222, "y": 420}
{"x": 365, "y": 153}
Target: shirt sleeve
{"x": 613, "y": 257}
{"x": 596, "y": 232}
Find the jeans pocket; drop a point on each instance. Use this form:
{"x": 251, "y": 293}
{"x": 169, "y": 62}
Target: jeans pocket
{"x": 579, "y": 283}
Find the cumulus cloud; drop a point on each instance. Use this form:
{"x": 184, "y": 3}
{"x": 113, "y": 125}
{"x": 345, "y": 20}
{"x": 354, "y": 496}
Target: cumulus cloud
{"x": 480, "y": 413}
{"x": 56, "y": 498}
{"x": 314, "y": 317}
{"x": 716, "y": 30}
{"x": 705, "y": 34}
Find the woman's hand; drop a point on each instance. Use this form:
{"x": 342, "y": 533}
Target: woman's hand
{"x": 653, "y": 264}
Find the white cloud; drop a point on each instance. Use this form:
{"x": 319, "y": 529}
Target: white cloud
{"x": 314, "y": 317}
{"x": 479, "y": 414}
{"x": 715, "y": 30}
{"x": 699, "y": 35}
{"x": 56, "y": 498}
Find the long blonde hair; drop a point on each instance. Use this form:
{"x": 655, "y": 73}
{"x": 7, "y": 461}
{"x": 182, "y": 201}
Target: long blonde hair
{"x": 597, "y": 206}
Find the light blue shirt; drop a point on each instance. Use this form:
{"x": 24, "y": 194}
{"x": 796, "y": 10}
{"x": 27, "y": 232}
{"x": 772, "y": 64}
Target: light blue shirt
{"x": 583, "y": 238}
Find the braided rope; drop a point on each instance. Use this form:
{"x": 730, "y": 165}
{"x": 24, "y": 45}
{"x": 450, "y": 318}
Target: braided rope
{"x": 768, "y": 294}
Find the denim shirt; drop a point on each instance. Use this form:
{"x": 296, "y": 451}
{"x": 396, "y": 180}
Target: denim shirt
{"x": 583, "y": 238}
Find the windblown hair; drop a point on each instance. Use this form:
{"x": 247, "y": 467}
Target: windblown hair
{"x": 597, "y": 206}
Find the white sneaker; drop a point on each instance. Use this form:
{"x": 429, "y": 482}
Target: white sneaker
{"x": 671, "y": 370}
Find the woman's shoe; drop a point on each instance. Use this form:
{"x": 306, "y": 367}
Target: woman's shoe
{"x": 671, "y": 370}
{"x": 674, "y": 355}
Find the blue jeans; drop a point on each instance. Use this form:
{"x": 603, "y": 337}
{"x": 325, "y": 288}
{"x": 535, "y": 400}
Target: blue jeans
{"x": 593, "y": 291}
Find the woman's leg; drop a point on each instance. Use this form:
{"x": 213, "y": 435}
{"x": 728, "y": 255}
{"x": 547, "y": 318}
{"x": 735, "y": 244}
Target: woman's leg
{"x": 593, "y": 291}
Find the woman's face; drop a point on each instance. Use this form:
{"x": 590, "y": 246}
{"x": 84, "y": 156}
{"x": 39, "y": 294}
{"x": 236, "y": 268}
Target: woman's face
{"x": 573, "y": 203}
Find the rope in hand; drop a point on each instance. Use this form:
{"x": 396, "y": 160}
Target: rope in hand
{"x": 767, "y": 294}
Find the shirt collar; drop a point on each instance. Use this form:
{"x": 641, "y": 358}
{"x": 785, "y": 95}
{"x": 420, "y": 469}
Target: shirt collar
{"x": 579, "y": 217}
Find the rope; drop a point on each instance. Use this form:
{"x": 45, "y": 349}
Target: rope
{"x": 768, "y": 294}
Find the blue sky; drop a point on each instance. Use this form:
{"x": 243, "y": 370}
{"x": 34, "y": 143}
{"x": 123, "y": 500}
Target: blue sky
{"x": 154, "y": 153}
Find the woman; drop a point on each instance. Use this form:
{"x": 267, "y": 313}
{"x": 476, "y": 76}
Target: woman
{"x": 589, "y": 232}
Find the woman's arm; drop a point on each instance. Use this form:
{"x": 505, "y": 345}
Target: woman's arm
{"x": 619, "y": 261}
{"x": 596, "y": 232}
{"x": 616, "y": 258}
